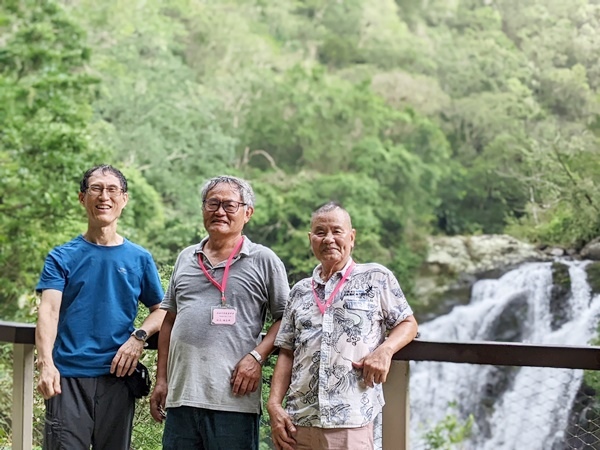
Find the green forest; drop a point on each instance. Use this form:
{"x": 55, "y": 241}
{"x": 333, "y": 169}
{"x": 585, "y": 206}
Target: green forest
{"x": 421, "y": 117}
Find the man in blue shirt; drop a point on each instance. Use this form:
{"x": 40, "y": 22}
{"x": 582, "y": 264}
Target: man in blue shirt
{"x": 85, "y": 337}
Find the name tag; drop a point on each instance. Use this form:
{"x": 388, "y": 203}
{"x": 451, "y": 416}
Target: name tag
{"x": 223, "y": 315}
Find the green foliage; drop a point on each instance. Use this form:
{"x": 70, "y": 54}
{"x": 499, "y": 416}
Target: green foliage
{"x": 591, "y": 378}
{"x": 366, "y": 103}
{"x": 45, "y": 96}
{"x": 265, "y": 425}
{"x": 5, "y": 390}
{"x": 449, "y": 433}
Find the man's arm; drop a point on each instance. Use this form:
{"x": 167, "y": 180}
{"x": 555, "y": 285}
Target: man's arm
{"x": 45, "y": 336}
{"x": 376, "y": 365}
{"x": 153, "y": 322}
{"x": 282, "y": 429}
{"x": 158, "y": 399}
{"x": 126, "y": 359}
{"x": 247, "y": 374}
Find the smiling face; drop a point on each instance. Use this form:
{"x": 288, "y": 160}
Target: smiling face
{"x": 332, "y": 238}
{"x": 103, "y": 208}
{"x": 221, "y": 224}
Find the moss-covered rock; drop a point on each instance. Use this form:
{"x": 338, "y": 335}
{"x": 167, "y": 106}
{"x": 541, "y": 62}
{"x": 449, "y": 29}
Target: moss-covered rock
{"x": 559, "y": 295}
{"x": 593, "y": 274}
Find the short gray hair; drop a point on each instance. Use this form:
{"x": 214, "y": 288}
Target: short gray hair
{"x": 328, "y": 207}
{"x": 242, "y": 186}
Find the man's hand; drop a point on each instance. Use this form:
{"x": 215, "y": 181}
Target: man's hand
{"x": 49, "y": 381}
{"x": 282, "y": 428}
{"x": 158, "y": 400}
{"x": 375, "y": 366}
{"x": 126, "y": 359}
{"x": 246, "y": 376}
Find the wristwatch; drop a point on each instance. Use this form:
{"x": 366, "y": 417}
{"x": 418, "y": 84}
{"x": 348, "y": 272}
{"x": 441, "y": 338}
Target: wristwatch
{"x": 257, "y": 357}
{"x": 140, "y": 334}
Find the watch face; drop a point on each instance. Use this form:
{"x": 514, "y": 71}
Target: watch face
{"x": 140, "y": 334}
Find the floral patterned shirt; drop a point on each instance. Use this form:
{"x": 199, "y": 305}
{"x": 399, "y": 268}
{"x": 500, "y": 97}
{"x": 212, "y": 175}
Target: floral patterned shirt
{"x": 325, "y": 390}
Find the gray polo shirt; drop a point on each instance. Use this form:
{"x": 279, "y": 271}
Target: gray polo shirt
{"x": 202, "y": 356}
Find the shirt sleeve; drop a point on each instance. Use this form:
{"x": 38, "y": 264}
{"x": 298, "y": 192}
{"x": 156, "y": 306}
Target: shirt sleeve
{"x": 53, "y": 274}
{"x": 285, "y": 335}
{"x": 278, "y": 288}
{"x": 394, "y": 306}
{"x": 152, "y": 292}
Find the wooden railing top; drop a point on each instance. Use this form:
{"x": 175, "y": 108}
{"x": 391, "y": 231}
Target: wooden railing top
{"x": 503, "y": 354}
{"x": 493, "y": 353}
{"x": 17, "y": 333}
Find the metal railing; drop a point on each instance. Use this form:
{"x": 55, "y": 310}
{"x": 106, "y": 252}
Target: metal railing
{"x": 396, "y": 411}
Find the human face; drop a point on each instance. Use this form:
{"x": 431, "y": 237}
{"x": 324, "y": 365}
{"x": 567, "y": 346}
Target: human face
{"x": 332, "y": 238}
{"x": 103, "y": 208}
{"x": 220, "y": 223}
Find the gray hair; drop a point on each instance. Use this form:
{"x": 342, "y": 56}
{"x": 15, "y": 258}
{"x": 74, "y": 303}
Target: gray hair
{"x": 328, "y": 207}
{"x": 242, "y": 186}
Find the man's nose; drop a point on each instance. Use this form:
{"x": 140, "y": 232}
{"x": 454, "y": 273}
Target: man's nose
{"x": 220, "y": 210}
{"x": 328, "y": 237}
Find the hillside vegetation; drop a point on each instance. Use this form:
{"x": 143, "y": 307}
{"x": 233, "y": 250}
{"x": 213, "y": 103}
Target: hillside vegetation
{"x": 421, "y": 117}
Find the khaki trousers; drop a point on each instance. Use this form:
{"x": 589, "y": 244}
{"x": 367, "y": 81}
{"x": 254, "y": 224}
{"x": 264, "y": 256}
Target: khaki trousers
{"x": 313, "y": 438}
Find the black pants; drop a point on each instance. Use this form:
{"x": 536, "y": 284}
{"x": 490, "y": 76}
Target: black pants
{"x": 189, "y": 428}
{"x": 95, "y": 412}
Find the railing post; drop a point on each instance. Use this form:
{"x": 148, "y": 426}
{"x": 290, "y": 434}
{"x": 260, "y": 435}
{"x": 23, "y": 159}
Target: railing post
{"x": 22, "y": 417}
{"x": 396, "y": 412}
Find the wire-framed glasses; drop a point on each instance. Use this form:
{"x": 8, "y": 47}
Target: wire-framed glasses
{"x": 112, "y": 191}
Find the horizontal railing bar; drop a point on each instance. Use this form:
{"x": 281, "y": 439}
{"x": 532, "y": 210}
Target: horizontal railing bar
{"x": 493, "y": 353}
{"x": 502, "y": 354}
{"x": 17, "y": 333}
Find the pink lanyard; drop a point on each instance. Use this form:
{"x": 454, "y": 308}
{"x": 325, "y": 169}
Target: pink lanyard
{"x": 221, "y": 287}
{"x": 323, "y": 306}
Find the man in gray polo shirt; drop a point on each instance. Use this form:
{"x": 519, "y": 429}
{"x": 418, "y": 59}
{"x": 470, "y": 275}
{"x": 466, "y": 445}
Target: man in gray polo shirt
{"x": 210, "y": 352}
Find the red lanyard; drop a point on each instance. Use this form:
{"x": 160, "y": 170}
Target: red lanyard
{"x": 221, "y": 287}
{"x": 323, "y": 306}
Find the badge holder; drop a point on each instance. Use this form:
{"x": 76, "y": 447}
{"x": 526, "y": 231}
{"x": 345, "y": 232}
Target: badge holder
{"x": 223, "y": 315}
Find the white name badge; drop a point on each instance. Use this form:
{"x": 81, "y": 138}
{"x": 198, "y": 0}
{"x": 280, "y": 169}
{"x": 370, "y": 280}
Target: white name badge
{"x": 223, "y": 315}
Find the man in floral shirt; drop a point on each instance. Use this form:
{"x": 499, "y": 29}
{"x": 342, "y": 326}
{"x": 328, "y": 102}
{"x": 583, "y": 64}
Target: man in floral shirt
{"x": 334, "y": 353}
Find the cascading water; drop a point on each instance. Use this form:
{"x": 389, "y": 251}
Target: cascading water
{"x": 522, "y": 408}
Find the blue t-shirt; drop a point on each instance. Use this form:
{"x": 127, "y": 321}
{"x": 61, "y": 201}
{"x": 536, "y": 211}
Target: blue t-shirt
{"x": 101, "y": 287}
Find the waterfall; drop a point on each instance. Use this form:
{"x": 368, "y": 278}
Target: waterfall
{"x": 513, "y": 407}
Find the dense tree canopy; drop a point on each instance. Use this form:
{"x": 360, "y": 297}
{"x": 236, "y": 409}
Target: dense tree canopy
{"x": 445, "y": 117}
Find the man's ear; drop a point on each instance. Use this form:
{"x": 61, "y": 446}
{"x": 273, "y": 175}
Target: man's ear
{"x": 248, "y": 213}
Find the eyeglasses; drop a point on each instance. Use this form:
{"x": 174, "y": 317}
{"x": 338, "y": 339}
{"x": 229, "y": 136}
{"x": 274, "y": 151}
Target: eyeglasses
{"x": 229, "y": 206}
{"x": 96, "y": 191}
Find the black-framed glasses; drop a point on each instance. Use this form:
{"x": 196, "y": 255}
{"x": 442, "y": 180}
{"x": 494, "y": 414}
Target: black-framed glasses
{"x": 112, "y": 191}
{"x": 229, "y": 206}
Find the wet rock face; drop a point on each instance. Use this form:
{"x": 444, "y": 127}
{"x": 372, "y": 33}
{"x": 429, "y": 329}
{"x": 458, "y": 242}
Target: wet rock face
{"x": 508, "y": 326}
{"x": 591, "y": 250}
{"x": 559, "y": 295}
{"x": 593, "y": 276}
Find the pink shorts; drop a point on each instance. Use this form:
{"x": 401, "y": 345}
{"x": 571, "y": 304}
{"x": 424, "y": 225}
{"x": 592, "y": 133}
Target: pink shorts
{"x": 313, "y": 438}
